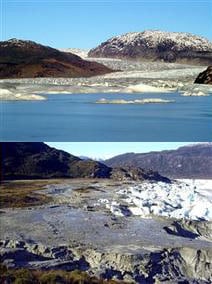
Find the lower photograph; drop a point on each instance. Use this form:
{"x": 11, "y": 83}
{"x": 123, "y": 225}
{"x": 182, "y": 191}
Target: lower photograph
{"x": 106, "y": 212}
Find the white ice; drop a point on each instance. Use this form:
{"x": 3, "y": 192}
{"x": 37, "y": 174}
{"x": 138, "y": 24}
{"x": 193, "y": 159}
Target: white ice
{"x": 143, "y": 88}
{"x": 190, "y": 199}
{"x": 143, "y": 101}
{"x": 13, "y": 95}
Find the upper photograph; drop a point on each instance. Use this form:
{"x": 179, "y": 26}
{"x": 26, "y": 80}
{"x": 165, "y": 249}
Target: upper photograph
{"x": 106, "y": 70}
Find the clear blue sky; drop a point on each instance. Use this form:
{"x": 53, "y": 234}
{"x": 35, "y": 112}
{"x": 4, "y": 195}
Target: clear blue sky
{"x": 105, "y": 150}
{"x": 85, "y": 24}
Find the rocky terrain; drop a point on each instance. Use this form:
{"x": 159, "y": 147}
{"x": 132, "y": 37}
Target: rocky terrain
{"x": 205, "y": 77}
{"x": 136, "y": 174}
{"x": 36, "y": 160}
{"x": 156, "y": 45}
{"x": 27, "y": 59}
{"x": 77, "y": 231}
{"x": 193, "y": 161}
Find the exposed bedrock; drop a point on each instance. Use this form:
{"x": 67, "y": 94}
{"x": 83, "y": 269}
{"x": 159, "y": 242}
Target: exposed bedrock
{"x": 190, "y": 229}
{"x": 205, "y": 77}
{"x": 169, "y": 265}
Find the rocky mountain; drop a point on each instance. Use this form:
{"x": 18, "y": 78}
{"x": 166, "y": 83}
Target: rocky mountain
{"x": 136, "y": 174}
{"x": 27, "y": 59}
{"x": 154, "y": 45}
{"x": 32, "y": 160}
{"x": 38, "y": 160}
{"x": 193, "y": 161}
{"x": 205, "y": 77}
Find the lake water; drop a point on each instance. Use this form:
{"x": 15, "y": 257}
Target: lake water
{"x": 77, "y": 118}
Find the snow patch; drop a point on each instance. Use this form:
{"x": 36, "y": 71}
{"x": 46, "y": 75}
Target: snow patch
{"x": 83, "y": 53}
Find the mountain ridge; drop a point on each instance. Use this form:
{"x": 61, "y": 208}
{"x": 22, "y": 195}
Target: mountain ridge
{"x": 28, "y": 59}
{"x": 156, "y": 45}
{"x": 23, "y": 160}
{"x": 193, "y": 161}
{"x": 37, "y": 160}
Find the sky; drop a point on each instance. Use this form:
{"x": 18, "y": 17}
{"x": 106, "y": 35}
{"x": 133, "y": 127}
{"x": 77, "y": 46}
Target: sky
{"x": 104, "y": 150}
{"x": 85, "y": 24}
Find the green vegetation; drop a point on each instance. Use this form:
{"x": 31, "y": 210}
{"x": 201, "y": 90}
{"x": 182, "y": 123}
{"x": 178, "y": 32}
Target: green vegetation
{"x": 26, "y": 276}
{"x": 15, "y": 194}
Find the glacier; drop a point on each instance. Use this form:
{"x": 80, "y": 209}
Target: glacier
{"x": 134, "y": 77}
{"x": 180, "y": 199}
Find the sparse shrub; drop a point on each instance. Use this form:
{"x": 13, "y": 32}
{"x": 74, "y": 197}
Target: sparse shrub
{"x": 51, "y": 277}
{"x": 27, "y": 276}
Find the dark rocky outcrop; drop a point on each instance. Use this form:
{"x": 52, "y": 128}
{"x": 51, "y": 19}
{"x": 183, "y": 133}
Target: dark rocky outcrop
{"x": 190, "y": 229}
{"x": 193, "y": 161}
{"x": 27, "y": 59}
{"x": 38, "y": 160}
{"x": 157, "y": 46}
{"x": 136, "y": 174}
{"x": 205, "y": 77}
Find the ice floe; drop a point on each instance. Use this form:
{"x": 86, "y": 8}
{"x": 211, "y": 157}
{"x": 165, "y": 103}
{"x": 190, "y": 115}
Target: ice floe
{"x": 143, "y": 88}
{"x": 194, "y": 94}
{"x": 12, "y": 95}
{"x": 143, "y": 101}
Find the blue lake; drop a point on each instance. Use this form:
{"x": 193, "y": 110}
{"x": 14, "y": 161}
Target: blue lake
{"x": 77, "y": 118}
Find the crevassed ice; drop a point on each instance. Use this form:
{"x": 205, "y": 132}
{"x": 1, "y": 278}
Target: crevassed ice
{"x": 136, "y": 77}
{"x": 175, "y": 200}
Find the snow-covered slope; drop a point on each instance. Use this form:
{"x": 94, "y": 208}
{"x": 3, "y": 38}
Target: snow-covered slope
{"x": 78, "y": 51}
{"x": 157, "y": 45}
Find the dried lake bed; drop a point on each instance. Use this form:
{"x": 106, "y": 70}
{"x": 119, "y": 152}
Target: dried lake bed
{"x": 76, "y": 230}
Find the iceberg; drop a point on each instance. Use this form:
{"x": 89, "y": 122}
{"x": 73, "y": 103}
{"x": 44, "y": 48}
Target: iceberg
{"x": 143, "y": 101}
{"x": 12, "y": 95}
{"x": 143, "y": 88}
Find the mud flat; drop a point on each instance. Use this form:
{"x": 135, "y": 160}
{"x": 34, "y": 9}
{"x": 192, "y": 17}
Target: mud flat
{"x": 76, "y": 231}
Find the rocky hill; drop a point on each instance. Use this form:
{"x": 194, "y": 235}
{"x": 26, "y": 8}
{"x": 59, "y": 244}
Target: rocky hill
{"x": 157, "y": 45}
{"x": 38, "y": 160}
{"x": 32, "y": 160}
{"x": 205, "y": 77}
{"x": 128, "y": 173}
{"x": 27, "y": 59}
{"x": 193, "y": 161}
